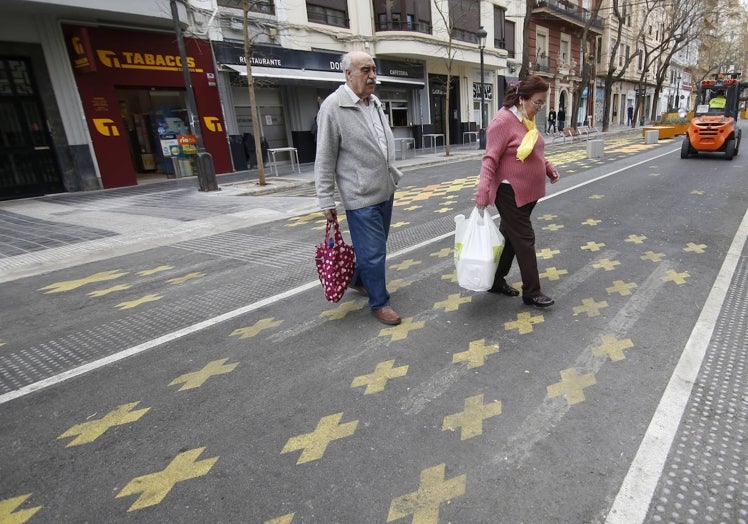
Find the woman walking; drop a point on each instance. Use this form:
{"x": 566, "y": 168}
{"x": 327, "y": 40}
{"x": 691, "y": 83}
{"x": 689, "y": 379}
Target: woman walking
{"x": 512, "y": 177}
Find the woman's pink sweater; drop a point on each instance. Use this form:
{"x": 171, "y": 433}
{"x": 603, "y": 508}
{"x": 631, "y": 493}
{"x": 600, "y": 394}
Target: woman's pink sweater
{"x": 503, "y": 137}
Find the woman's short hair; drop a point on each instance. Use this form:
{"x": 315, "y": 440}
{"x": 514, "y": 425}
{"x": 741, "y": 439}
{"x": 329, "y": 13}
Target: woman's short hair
{"x": 525, "y": 89}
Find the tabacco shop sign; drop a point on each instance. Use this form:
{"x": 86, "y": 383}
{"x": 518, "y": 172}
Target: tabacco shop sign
{"x": 148, "y": 61}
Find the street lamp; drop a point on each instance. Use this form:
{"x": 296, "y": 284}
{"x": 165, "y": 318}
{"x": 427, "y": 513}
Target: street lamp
{"x": 677, "y": 92}
{"x": 482, "y": 34}
{"x": 206, "y": 172}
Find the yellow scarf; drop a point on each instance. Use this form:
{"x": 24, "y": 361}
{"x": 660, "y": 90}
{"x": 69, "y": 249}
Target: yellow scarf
{"x": 528, "y": 142}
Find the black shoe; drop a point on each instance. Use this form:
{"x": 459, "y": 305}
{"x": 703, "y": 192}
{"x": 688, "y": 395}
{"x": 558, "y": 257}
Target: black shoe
{"x": 539, "y": 301}
{"x": 504, "y": 288}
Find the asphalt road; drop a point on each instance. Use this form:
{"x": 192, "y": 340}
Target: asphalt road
{"x": 221, "y": 387}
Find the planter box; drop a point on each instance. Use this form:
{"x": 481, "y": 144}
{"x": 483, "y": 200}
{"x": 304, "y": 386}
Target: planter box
{"x": 663, "y": 131}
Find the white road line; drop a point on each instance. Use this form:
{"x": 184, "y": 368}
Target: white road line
{"x": 170, "y": 337}
{"x": 632, "y": 502}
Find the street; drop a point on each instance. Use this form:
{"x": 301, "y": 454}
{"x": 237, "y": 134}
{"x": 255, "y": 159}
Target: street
{"x": 205, "y": 378}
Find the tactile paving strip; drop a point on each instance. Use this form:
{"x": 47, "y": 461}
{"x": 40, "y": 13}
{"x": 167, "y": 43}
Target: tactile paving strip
{"x": 705, "y": 478}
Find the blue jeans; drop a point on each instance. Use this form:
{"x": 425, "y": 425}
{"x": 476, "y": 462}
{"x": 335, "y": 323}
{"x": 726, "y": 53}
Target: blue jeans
{"x": 369, "y": 227}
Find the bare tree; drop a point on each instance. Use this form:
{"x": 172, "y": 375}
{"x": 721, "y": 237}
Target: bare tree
{"x": 247, "y": 6}
{"x": 525, "y": 69}
{"x": 614, "y": 72}
{"x": 448, "y": 19}
{"x": 680, "y": 22}
{"x": 587, "y": 61}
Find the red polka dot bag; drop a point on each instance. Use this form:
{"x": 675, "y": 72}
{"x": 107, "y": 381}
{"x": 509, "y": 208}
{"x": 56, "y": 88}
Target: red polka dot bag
{"x": 335, "y": 263}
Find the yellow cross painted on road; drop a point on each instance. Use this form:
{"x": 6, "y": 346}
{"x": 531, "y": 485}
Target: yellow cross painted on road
{"x": 447, "y": 251}
{"x": 432, "y": 491}
{"x": 113, "y": 289}
{"x": 547, "y": 216}
{"x": 621, "y": 287}
{"x": 185, "y": 278}
{"x": 453, "y": 302}
{"x": 593, "y": 246}
{"x": 315, "y": 444}
{"x": 553, "y": 274}
{"x": 377, "y": 380}
{"x": 674, "y": 276}
{"x": 636, "y": 239}
{"x": 476, "y": 355}
{"x": 694, "y": 248}
{"x": 552, "y": 227}
{"x": 590, "y": 307}
{"x": 285, "y": 519}
{"x": 398, "y": 283}
{"x": 405, "y": 264}
{"x": 303, "y": 219}
{"x": 607, "y": 265}
{"x": 524, "y": 322}
{"x": 443, "y": 210}
{"x": 546, "y": 253}
{"x": 597, "y": 197}
{"x": 613, "y": 347}
{"x": 135, "y": 303}
{"x": 89, "y": 431}
{"x": 260, "y": 325}
{"x": 452, "y": 277}
{"x": 697, "y": 192}
{"x": 8, "y": 513}
{"x": 69, "y": 285}
{"x": 198, "y": 378}
{"x": 401, "y": 332}
{"x": 571, "y": 386}
{"x": 153, "y": 271}
{"x": 343, "y": 309}
{"x": 400, "y": 224}
{"x": 654, "y": 257}
{"x": 591, "y": 222}
{"x": 154, "y": 487}
{"x": 471, "y": 419}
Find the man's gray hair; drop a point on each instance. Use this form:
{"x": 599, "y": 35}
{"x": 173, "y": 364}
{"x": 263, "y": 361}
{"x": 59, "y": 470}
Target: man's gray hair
{"x": 345, "y": 61}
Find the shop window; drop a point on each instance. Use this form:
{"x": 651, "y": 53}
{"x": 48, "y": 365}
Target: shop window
{"x": 328, "y": 12}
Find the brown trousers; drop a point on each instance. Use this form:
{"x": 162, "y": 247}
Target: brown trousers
{"x": 519, "y": 237}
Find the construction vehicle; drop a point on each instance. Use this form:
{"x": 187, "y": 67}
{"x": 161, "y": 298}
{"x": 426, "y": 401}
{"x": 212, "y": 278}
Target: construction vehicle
{"x": 713, "y": 128}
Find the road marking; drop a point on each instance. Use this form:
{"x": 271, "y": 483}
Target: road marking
{"x": 632, "y": 502}
{"x": 195, "y": 328}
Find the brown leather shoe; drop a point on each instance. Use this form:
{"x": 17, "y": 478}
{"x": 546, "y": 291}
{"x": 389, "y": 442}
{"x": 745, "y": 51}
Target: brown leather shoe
{"x": 361, "y": 290}
{"x": 387, "y": 315}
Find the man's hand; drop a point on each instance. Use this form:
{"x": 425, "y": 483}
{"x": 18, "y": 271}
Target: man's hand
{"x": 330, "y": 214}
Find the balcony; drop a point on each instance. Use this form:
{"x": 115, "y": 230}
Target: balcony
{"x": 397, "y": 24}
{"x": 566, "y": 11}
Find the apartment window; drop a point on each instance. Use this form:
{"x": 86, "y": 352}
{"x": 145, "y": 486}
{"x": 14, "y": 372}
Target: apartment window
{"x": 328, "y": 12}
{"x": 403, "y": 15}
{"x": 509, "y": 38}
{"x": 256, "y": 6}
{"x": 564, "y": 48}
{"x": 499, "y": 25}
{"x": 465, "y": 17}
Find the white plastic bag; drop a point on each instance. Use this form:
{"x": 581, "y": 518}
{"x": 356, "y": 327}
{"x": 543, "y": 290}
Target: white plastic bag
{"x": 478, "y": 246}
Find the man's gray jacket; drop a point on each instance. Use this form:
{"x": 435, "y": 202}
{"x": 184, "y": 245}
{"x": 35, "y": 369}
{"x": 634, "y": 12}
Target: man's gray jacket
{"x": 348, "y": 154}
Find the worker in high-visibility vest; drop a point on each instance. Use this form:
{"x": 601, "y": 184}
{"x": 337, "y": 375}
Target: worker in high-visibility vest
{"x": 718, "y": 101}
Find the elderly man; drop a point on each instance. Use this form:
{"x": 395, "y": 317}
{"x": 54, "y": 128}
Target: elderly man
{"x": 355, "y": 150}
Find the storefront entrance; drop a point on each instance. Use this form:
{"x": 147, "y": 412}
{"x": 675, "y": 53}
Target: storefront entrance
{"x": 152, "y": 118}
{"x": 28, "y": 165}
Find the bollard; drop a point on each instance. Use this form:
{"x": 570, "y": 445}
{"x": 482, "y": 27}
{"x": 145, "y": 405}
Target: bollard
{"x": 651, "y": 136}
{"x": 206, "y": 172}
{"x": 595, "y": 149}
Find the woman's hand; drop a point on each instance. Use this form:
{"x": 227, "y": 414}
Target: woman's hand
{"x": 554, "y": 176}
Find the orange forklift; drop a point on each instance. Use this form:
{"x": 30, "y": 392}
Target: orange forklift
{"x": 713, "y": 128}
